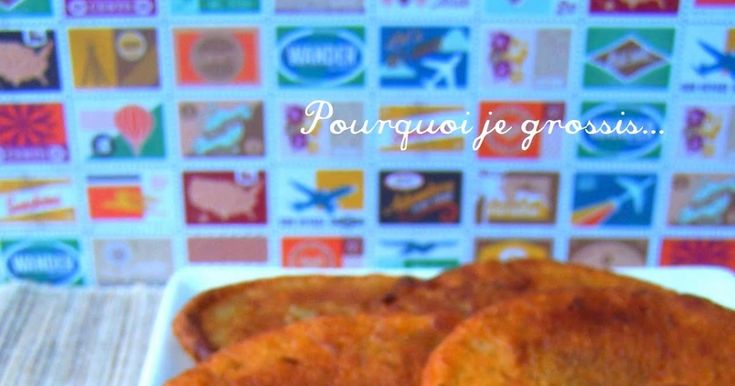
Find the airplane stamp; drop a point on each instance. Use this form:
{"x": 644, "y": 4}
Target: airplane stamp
{"x": 117, "y": 130}
{"x": 506, "y": 249}
{"x": 426, "y": 116}
{"x": 124, "y": 261}
{"x": 320, "y": 142}
{"x": 33, "y": 133}
{"x": 424, "y": 57}
{"x": 692, "y": 251}
{"x": 48, "y": 260}
{"x": 231, "y": 249}
{"x": 529, "y": 59}
{"x": 143, "y": 198}
{"x": 533, "y": 8}
{"x": 606, "y": 199}
{"x": 225, "y": 197}
{"x": 604, "y": 253}
{"x": 509, "y": 145}
{"x": 205, "y": 7}
{"x": 623, "y": 147}
{"x": 28, "y": 61}
{"x": 628, "y": 58}
{"x": 321, "y": 57}
{"x": 217, "y": 56}
{"x": 107, "y": 8}
{"x": 516, "y": 197}
{"x": 25, "y": 8}
{"x": 634, "y": 7}
{"x": 420, "y": 197}
{"x": 114, "y": 58}
{"x": 707, "y": 131}
{"x": 320, "y": 6}
{"x": 322, "y": 252}
{"x": 37, "y": 200}
{"x": 221, "y": 129}
{"x": 702, "y": 200}
{"x": 710, "y": 66}
{"x": 319, "y": 198}
{"x": 413, "y": 250}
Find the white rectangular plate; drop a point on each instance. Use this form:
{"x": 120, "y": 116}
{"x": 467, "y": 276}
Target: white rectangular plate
{"x": 166, "y": 359}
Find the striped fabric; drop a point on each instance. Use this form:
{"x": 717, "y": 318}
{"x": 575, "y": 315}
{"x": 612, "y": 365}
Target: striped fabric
{"x": 81, "y": 337}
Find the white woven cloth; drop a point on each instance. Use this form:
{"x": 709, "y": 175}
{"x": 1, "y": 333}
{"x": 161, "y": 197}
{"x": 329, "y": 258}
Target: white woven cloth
{"x": 80, "y": 337}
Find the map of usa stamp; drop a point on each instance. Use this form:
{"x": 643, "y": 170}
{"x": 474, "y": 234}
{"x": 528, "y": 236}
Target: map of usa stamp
{"x": 629, "y": 58}
{"x": 424, "y": 57}
{"x": 114, "y": 58}
{"x": 221, "y": 129}
{"x": 116, "y": 130}
{"x": 217, "y": 56}
{"x": 225, "y": 197}
{"x": 710, "y": 65}
{"x": 33, "y": 133}
{"x": 28, "y": 61}
{"x": 527, "y": 58}
{"x": 321, "y": 56}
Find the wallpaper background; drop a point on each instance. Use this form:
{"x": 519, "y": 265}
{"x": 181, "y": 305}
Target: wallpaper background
{"x": 137, "y": 137}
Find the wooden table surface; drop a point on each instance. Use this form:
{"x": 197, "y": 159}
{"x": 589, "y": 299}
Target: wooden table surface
{"x": 78, "y": 336}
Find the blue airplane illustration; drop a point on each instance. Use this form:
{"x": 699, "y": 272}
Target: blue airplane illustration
{"x": 725, "y": 61}
{"x": 409, "y": 247}
{"x": 325, "y": 199}
{"x": 634, "y": 191}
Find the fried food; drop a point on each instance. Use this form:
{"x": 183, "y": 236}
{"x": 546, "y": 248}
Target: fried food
{"x": 590, "y": 337}
{"x": 362, "y": 350}
{"x": 220, "y": 317}
{"x": 470, "y": 288}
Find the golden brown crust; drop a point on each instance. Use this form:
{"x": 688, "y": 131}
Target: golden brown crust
{"x": 590, "y": 337}
{"x": 222, "y": 316}
{"x": 362, "y": 350}
{"x": 470, "y": 288}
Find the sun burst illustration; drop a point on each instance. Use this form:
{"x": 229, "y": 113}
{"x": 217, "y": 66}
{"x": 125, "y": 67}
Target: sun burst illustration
{"x": 31, "y": 125}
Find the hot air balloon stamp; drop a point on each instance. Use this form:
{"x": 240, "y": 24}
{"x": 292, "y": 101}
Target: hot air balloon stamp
{"x": 121, "y": 130}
